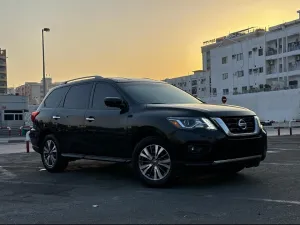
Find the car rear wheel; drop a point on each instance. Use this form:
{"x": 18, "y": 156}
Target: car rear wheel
{"x": 152, "y": 161}
{"x": 51, "y": 155}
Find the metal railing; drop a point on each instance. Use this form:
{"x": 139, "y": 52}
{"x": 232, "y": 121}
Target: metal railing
{"x": 271, "y": 70}
{"x": 294, "y": 46}
{"x": 294, "y": 67}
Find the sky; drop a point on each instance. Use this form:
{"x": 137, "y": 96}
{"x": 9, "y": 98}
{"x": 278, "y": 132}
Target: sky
{"x": 126, "y": 38}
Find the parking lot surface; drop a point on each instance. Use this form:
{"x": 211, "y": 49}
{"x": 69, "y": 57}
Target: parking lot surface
{"x": 95, "y": 192}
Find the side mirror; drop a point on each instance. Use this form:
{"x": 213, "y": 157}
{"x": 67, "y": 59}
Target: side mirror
{"x": 114, "y": 102}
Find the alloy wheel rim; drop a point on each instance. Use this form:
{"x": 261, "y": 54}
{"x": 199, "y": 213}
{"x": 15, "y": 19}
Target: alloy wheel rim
{"x": 50, "y": 153}
{"x": 154, "y": 162}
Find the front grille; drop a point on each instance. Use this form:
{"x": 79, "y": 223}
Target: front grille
{"x": 233, "y": 124}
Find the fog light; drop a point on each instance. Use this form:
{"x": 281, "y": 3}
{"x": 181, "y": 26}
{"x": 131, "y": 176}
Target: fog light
{"x": 195, "y": 149}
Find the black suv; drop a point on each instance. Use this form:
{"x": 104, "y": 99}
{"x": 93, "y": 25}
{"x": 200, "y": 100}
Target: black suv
{"x": 153, "y": 125}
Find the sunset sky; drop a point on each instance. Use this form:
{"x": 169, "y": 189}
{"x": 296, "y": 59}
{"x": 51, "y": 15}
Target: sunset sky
{"x": 134, "y": 38}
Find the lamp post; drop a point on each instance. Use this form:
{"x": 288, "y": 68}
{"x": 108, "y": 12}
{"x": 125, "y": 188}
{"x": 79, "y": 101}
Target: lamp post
{"x": 43, "y": 49}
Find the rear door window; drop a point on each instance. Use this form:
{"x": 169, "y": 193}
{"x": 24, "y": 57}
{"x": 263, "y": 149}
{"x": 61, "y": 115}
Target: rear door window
{"x": 78, "y": 96}
{"x": 55, "y": 97}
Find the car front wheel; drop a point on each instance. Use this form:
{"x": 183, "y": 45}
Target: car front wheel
{"x": 152, "y": 161}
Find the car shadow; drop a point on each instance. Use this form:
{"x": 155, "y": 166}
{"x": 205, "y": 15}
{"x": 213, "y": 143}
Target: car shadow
{"x": 123, "y": 173}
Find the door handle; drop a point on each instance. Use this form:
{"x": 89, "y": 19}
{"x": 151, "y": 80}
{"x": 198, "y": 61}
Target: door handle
{"x": 56, "y": 117}
{"x": 90, "y": 119}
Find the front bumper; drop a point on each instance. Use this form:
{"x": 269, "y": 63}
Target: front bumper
{"x": 215, "y": 148}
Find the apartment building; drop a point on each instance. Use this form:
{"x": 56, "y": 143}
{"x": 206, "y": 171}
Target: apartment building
{"x": 3, "y": 72}
{"x": 254, "y": 60}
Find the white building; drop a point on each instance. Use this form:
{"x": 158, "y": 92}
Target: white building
{"x": 256, "y": 68}
{"x": 254, "y": 60}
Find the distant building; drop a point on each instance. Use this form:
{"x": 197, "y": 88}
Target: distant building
{"x": 34, "y": 90}
{"x": 197, "y": 84}
{"x": 3, "y": 72}
{"x": 11, "y": 91}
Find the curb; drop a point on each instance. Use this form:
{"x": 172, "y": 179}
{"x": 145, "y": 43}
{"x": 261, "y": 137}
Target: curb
{"x": 12, "y": 141}
{"x": 16, "y": 141}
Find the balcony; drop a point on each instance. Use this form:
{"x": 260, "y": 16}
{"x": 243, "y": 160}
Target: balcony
{"x": 271, "y": 70}
{"x": 271, "y": 51}
{"x": 294, "y": 46}
{"x": 295, "y": 66}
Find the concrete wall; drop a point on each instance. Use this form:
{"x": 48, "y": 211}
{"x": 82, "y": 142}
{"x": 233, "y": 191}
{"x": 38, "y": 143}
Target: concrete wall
{"x": 276, "y": 105}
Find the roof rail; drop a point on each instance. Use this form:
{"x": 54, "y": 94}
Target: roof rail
{"x": 81, "y": 78}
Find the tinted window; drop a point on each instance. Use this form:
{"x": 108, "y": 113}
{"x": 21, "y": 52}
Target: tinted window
{"x": 78, "y": 96}
{"x": 9, "y": 117}
{"x": 103, "y": 90}
{"x": 54, "y": 98}
{"x": 157, "y": 93}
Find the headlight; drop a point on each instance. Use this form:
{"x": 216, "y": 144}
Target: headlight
{"x": 192, "y": 123}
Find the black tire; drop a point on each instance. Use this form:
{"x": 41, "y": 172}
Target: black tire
{"x": 61, "y": 163}
{"x": 166, "y": 180}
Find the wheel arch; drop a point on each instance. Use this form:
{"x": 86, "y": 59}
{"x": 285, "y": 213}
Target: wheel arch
{"x": 147, "y": 131}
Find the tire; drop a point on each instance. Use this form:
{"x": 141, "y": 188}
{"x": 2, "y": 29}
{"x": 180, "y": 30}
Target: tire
{"x": 59, "y": 163}
{"x": 160, "y": 171}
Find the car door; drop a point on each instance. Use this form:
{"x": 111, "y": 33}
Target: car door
{"x": 69, "y": 118}
{"x": 48, "y": 110}
{"x": 106, "y": 126}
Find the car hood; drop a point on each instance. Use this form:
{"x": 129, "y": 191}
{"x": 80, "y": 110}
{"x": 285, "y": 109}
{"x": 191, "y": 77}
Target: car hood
{"x": 208, "y": 109}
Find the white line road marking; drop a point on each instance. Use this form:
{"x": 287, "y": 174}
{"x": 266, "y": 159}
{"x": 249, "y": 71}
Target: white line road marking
{"x": 284, "y": 149}
{"x": 49, "y": 184}
{"x": 273, "y": 151}
{"x": 282, "y": 164}
{"x": 271, "y": 200}
{"x": 6, "y": 174}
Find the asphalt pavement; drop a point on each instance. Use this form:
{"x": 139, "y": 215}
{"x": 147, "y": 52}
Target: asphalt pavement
{"x": 95, "y": 192}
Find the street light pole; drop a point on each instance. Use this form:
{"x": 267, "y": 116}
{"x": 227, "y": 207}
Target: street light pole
{"x": 43, "y": 49}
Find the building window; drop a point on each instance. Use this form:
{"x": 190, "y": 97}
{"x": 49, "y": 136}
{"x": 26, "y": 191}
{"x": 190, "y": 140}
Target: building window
{"x": 250, "y": 71}
{"x": 225, "y": 76}
{"x": 203, "y": 89}
{"x": 225, "y": 91}
{"x": 203, "y": 80}
{"x": 235, "y": 90}
{"x": 18, "y": 117}
{"x": 244, "y": 89}
{"x": 194, "y": 90}
{"x": 194, "y": 82}
{"x": 250, "y": 54}
{"x": 239, "y": 57}
{"x": 224, "y": 60}
{"x": 260, "y": 52}
{"x": 240, "y": 73}
{"x": 12, "y": 116}
{"x": 214, "y": 91}
{"x": 8, "y": 116}
{"x": 261, "y": 69}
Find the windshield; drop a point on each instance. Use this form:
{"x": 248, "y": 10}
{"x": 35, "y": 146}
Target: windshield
{"x": 157, "y": 93}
